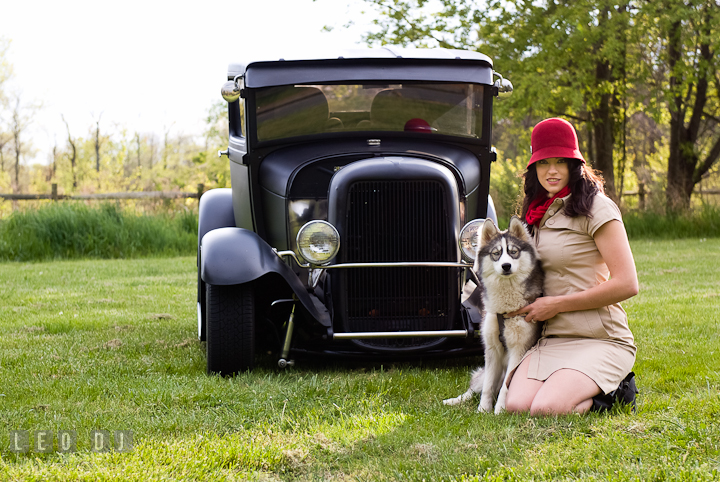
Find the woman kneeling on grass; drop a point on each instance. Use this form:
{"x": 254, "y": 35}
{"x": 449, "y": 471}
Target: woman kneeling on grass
{"x": 586, "y": 348}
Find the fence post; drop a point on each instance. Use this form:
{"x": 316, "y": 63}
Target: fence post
{"x": 200, "y": 190}
{"x": 53, "y": 194}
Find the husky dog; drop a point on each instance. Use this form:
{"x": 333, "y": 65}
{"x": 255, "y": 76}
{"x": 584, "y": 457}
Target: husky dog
{"x": 511, "y": 277}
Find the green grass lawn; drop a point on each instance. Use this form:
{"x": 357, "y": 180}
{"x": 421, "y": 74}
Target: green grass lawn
{"x": 111, "y": 345}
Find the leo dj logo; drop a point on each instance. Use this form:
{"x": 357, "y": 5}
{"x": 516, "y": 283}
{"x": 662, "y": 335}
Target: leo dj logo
{"x": 65, "y": 441}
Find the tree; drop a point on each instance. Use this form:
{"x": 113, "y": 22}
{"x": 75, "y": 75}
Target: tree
{"x": 21, "y": 117}
{"x": 566, "y": 58}
{"x": 98, "y": 142}
{"x": 5, "y": 142}
{"x": 72, "y": 154}
{"x": 688, "y": 34}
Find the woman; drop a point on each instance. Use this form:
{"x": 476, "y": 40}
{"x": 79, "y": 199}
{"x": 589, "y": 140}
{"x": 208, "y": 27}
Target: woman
{"x": 586, "y": 348}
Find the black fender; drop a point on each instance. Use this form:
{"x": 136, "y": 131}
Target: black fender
{"x": 215, "y": 211}
{"x": 233, "y": 256}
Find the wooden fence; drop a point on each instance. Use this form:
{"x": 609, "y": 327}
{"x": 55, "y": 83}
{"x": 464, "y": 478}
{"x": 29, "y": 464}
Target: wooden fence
{"x": 107, "y": 195}
{"x": 641, "y": 193}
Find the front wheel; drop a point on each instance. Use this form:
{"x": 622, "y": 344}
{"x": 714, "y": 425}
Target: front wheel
{"x": 230, "y": 329}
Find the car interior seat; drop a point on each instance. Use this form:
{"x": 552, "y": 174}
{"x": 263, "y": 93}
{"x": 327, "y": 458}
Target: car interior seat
{"x": 289, "y": 111}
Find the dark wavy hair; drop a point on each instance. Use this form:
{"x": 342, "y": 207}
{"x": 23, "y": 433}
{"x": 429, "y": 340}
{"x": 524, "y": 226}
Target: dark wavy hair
{"x": 584, "y": 184}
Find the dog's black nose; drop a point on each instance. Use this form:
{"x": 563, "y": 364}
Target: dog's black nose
{"x": 506, "y": 267}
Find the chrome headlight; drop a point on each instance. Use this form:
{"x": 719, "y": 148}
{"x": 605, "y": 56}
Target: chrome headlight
{"x": 302, "y": 211}
{"x": 318, "y": 242}
{"x": 469, "y": 239}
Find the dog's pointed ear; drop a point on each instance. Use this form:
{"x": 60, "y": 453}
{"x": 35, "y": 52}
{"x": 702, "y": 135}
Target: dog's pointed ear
{"x": 489, "y": 230}
{"x": 518, "y": 229}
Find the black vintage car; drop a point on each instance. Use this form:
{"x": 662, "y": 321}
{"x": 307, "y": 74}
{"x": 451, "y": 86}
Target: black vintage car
{"x": 358, "y": 183}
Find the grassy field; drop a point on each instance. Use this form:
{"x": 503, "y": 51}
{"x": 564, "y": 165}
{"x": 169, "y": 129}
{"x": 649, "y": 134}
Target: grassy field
{"x": 110, "y": 345}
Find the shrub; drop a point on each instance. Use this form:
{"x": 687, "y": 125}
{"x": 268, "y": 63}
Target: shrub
{"x": 74, "y": 230}
{"x": 703, "y": 222}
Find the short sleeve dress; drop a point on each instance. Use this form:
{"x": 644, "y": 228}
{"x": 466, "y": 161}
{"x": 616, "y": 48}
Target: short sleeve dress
{"x": 596, "y": 342}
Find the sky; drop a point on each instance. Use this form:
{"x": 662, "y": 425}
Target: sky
{"x": 152, "y": 65}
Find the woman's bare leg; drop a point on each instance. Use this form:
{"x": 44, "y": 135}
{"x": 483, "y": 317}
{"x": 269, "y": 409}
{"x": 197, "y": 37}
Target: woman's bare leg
{"x": 522, "y": 390}
{"x": 565, "y": 391}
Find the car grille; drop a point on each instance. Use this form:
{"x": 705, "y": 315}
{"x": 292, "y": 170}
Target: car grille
{"x": 394, "y": 221}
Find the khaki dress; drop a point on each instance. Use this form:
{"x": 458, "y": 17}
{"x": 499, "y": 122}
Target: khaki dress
{"x": 595, "y": 342}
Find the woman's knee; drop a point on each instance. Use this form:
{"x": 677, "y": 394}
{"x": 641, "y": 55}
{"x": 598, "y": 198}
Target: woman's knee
{"x": 521, "y": 390}
{"x": 540, "y": 409}
{"x": 543, "y": 409}
{"x": 564, "y": 392}
{"x": 517, "y": 404}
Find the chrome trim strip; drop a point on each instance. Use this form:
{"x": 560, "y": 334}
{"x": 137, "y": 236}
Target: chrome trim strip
{"x": 404, "y": 264}
{"x": 400, "y": 334}
{"x": 426, "y": 264}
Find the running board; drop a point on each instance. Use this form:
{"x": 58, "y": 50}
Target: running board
{"x": 364, "y": 335}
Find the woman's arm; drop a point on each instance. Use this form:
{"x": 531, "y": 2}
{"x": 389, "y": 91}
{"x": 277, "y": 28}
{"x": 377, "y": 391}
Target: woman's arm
{"x": 612, "y": 242}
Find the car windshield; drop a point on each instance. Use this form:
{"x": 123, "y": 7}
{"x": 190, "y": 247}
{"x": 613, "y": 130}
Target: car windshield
{"x": 431, "y": 108}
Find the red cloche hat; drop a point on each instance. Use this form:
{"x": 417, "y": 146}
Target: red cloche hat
{"x": 554, "y": 138}
{"x": 418, "y": 125}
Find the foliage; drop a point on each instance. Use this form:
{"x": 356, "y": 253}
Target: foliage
{"x": 621, "y": 71}
{"x": 111, "y": 345}
{"x": 688, "y": 45}
{"x": 139, "y": 162}
{"x": 104, "y": 160}
{"x": 506, "y": 188}
{"x": 70, "y": 231}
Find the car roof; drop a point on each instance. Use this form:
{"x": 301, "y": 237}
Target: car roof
{"x": 364, "y": 64}
{"x": 385, "y": 52}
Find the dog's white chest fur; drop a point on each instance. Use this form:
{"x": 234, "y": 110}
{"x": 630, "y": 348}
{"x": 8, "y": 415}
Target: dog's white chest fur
{"x": 511, "y": 279}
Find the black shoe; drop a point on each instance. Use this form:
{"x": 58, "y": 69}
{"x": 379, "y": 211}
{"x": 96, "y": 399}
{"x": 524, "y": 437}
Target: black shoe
{"x": 623, "y": 395}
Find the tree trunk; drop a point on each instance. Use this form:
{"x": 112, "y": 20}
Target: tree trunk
{"x": 3, "y": 142}
{"x": 683, "y": 169}
{"x": 603, "y": 115}
{"x": 54, "y": 162}
{"x": 17, "y": 129}
{"x": 97, "y": 145}
{"x": 18, "y": 146}
{"x": 604, "y": 132}
{"x": 137, "y": 141}
{"x": 73, "y": 157}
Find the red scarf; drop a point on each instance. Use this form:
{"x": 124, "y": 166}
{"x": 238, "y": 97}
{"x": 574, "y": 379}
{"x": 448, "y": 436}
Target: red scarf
{"x": 538, "y": 208}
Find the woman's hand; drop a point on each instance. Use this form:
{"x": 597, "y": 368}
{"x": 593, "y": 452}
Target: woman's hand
{"x": 541, "y": 309}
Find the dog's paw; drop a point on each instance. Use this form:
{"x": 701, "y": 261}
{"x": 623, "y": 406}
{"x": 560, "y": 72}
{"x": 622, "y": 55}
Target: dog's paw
{"x": 499, "y": 408}
{"x": 459, "y": 399}
{"x": 485, "y": 407}
{"x": 453, "y": 401}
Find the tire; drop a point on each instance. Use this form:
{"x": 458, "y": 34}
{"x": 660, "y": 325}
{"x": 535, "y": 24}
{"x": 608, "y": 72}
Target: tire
{"x": 202, "y": 308}
{"x": 230, "y": 329}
